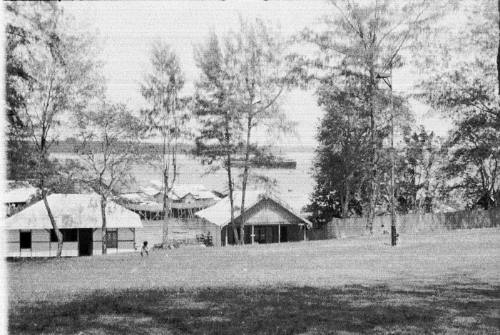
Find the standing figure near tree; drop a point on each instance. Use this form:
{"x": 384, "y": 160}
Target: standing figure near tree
{"x": 145, "y": 249}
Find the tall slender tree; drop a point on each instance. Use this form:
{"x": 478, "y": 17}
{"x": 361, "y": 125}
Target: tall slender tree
{"x": 239, "y": 93}
{"x": 340, "y": 161}
{"x": 342, "y": 164}
{"x": 166, "y": 118}
{"x": 261, "y": 74}
{"x": 368, "y": 39}
{"x": 108, "y": 146}
{"x": 220, "y": 135}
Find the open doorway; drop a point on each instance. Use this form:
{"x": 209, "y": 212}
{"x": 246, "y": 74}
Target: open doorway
{"x": 25, "y": 239}
{"x": 283, "y": 234}
{"x": 85, "y": 242}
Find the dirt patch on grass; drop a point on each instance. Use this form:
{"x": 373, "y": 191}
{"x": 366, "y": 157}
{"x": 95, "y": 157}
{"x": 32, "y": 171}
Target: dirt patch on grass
{"x": 270, "y": 310}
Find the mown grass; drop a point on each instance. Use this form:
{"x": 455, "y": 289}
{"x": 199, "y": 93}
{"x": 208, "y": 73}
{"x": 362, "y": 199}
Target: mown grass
{"x": 269, "y": 310}
{"x": 428, "y": 284}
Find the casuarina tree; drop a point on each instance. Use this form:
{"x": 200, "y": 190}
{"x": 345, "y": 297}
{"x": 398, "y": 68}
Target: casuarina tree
{"x": 220, "y": 136}
{"x": 239, "y": 93}
{"x": 366, "y": 40}
{"x": 260, "y": 73}
{"x": 166, "y": 118}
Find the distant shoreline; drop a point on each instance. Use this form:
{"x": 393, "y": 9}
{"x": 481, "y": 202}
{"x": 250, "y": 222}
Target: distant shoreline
{"x": 71, "y": 145}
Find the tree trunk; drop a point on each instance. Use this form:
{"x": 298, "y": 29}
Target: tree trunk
{"x": 165, "y": 162}
{"x": 54, "y": 225}
{"x": 346, "y": 200}
{"x": 347, "y": 174}
{"x": 103, "y": 217}
{"x": 416, "y": 189}
{"x": 231, "y": 200}
{"x": 498, "y": 53}
{"x": 373, "y": 159}
{"x": 166, "y": 209}
{"x": 245, "y": 179}
{"x": 230, "y": 179}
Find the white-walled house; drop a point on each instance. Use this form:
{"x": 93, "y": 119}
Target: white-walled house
{"x": 78, "y": 216}
{"x": 267, "y": 219}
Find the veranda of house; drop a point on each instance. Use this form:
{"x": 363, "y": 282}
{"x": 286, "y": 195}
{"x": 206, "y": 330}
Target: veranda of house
{"x": 267, "y": 219}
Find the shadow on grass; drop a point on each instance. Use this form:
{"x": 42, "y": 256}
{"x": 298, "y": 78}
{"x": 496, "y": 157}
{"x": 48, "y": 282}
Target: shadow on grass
{"x": 268, "y": 310}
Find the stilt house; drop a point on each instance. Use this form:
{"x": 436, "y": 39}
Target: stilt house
{"x": 183, "y": 226}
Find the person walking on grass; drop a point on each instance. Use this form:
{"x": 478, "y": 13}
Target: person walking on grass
{"x": 145, "y": 249}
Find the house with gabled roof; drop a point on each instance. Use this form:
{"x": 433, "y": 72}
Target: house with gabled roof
{"x": 78, "y": 216}
{"x": 267, "y": 219}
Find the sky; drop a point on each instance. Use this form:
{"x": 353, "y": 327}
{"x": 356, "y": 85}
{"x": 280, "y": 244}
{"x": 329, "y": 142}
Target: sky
{"x": 126, "y": 30}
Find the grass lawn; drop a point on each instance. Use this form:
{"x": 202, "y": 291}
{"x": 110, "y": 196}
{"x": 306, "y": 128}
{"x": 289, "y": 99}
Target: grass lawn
{"x": 446, "y": 283}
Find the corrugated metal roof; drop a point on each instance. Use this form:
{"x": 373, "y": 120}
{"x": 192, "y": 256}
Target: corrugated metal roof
{"x": 73, "y": 211}
{"x": 220, "y": 213}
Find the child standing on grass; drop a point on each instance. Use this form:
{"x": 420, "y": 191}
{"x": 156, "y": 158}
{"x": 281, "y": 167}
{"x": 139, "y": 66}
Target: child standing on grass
{"x": 145, "y": 249}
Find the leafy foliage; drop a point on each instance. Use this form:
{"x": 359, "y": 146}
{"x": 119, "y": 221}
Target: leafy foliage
{"x": 474, "y": 157}
{"x": 238, "y": 93}
{"x": 52, "y": 71}
{"x": 105, "y": 167}
{"x": 354, "y": 45}
{"x": 56, "y": 73}
{"x": 341, "y": 163}
{"x": 167, "y": 118}
{"x": 108, "y": 146}
{"x": 213, "y": 104}
{"x": 221, "y": 130}
{"x": 467, "y": 91}
{"x": 418, "y": 179}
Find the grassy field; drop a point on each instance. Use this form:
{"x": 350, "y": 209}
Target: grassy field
{"x": 446, "y": 283}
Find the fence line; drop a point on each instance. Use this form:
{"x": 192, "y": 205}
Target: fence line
{"x": 409, "y": 224}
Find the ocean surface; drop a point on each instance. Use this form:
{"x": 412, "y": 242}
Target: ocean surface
{"x": 293, "y": 186}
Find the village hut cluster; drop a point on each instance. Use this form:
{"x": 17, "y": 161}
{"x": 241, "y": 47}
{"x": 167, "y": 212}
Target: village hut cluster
{"x": 198, "y": 216}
